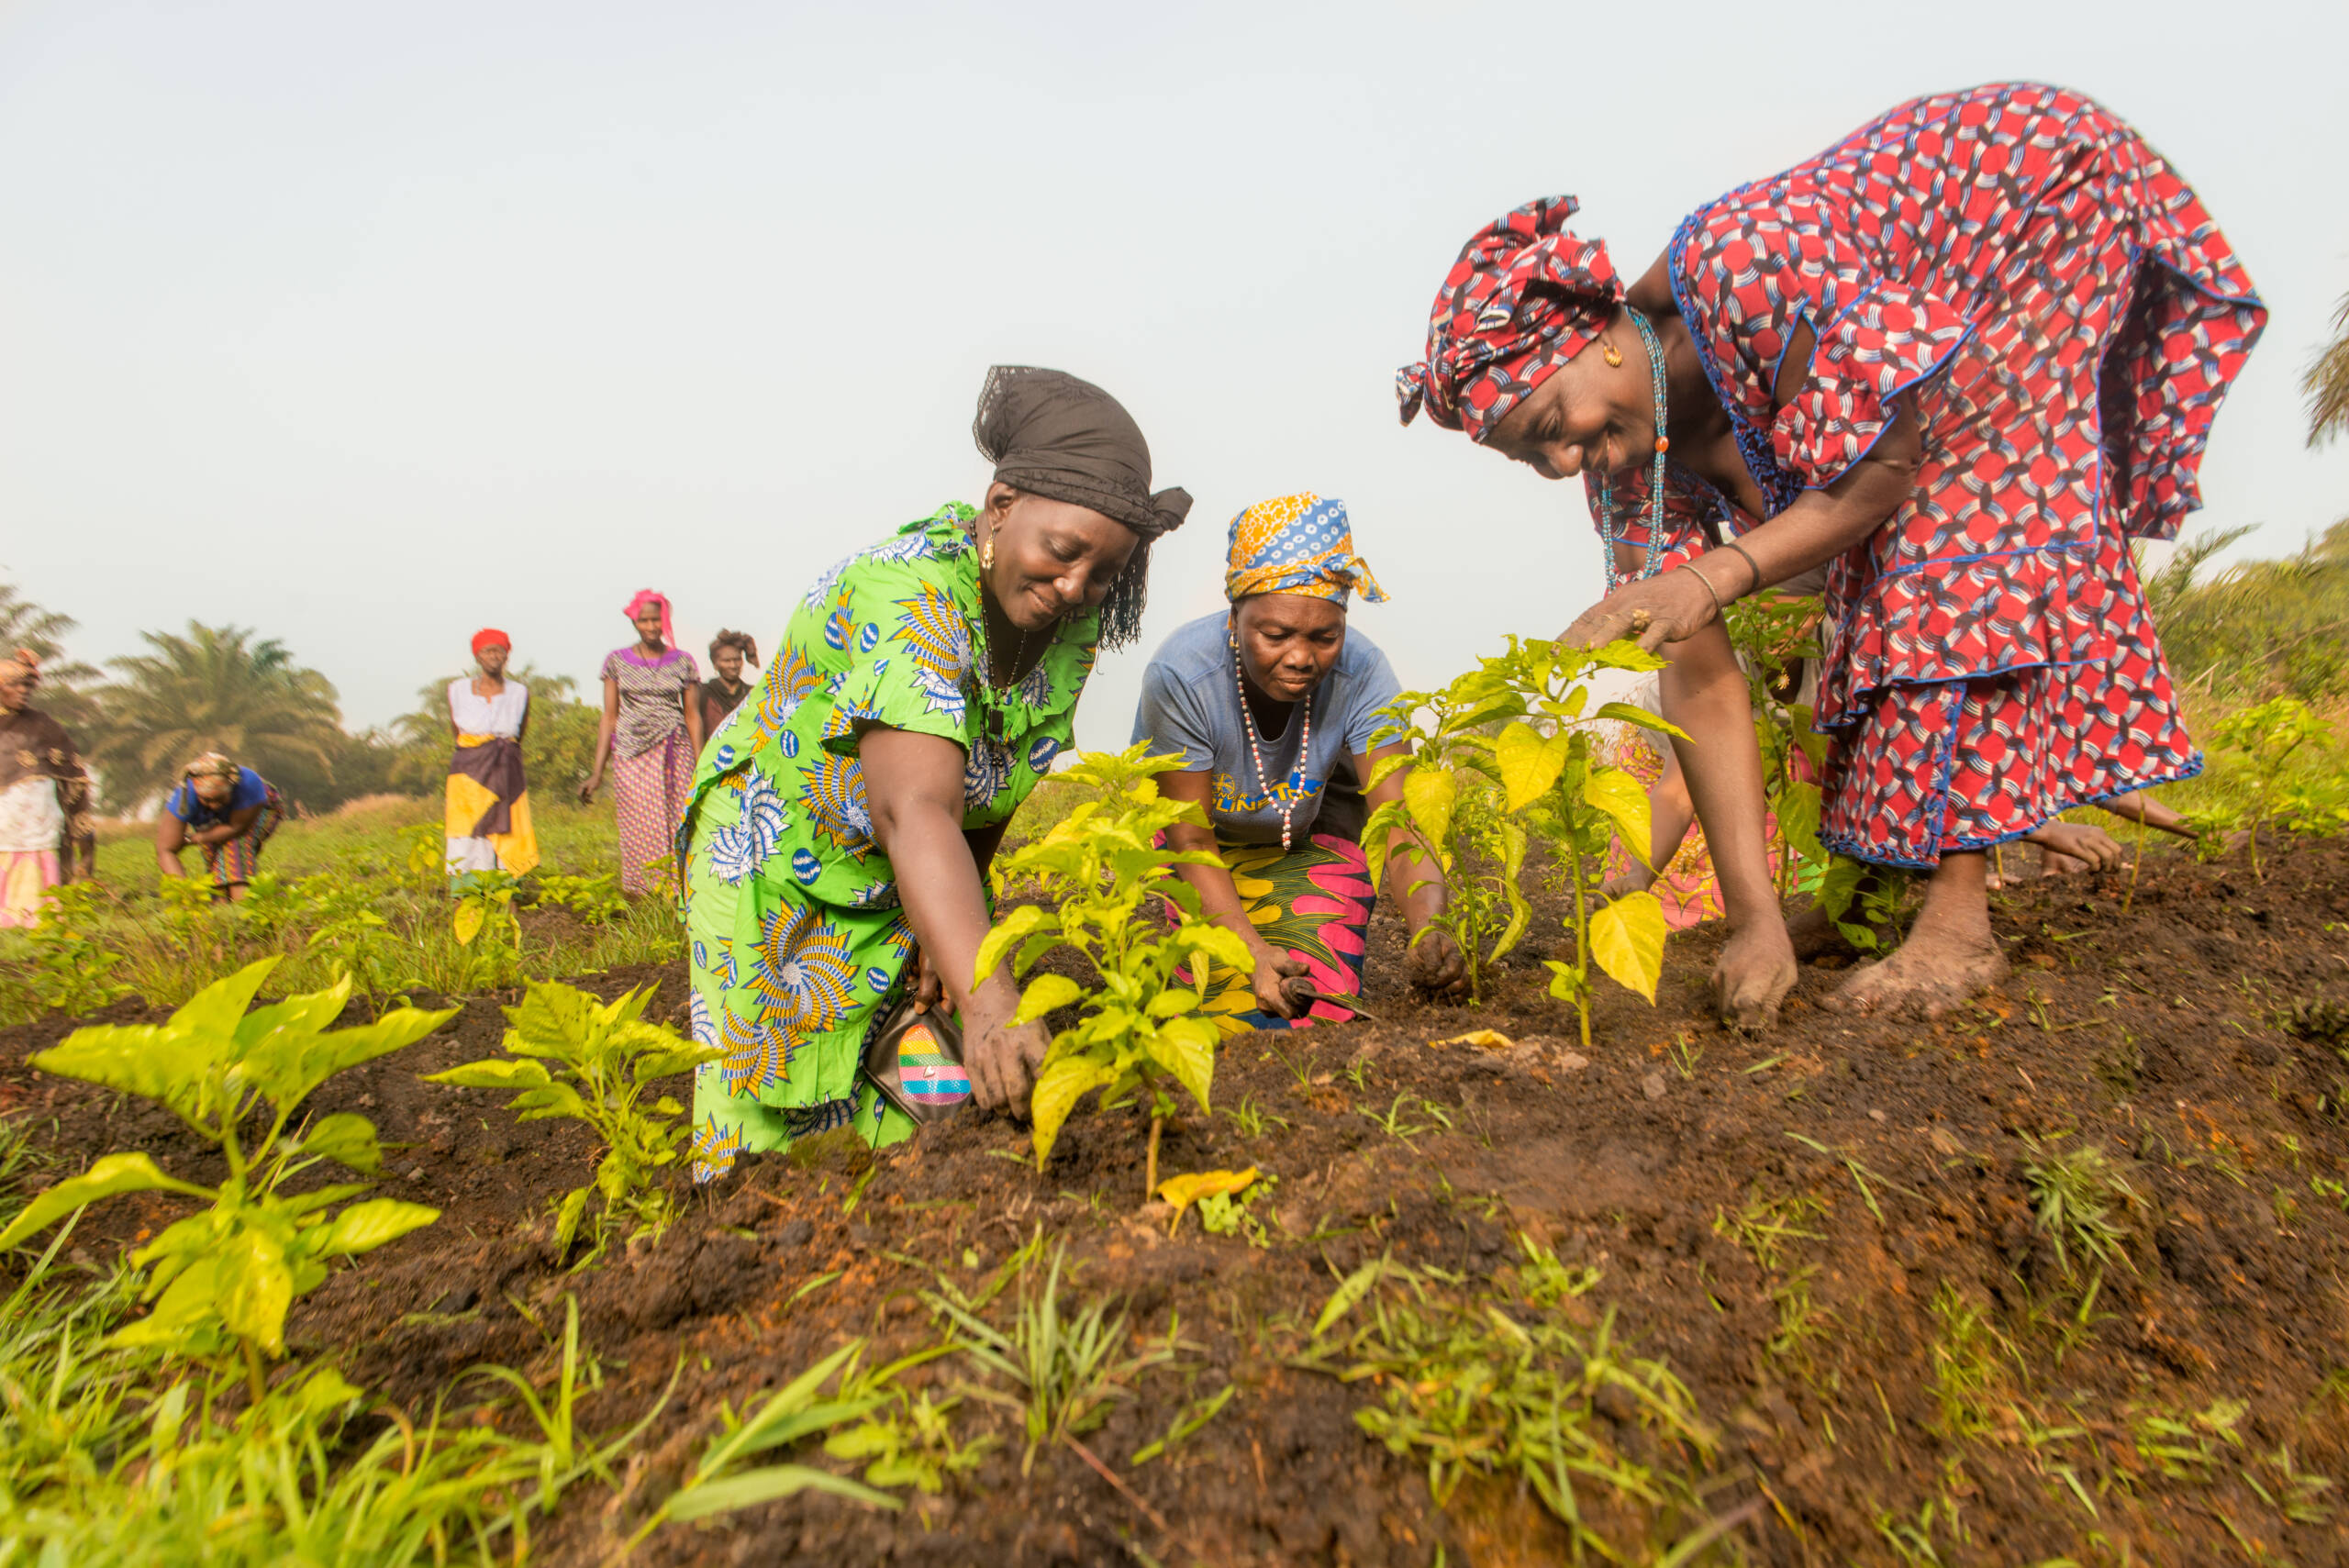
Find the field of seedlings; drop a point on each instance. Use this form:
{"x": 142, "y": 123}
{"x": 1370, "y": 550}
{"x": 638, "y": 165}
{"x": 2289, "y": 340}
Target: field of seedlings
{"x": 352, "y": 1226}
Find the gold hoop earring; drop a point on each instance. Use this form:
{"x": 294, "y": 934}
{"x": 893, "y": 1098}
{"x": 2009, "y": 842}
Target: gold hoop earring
{"x": 1607, "y": 351}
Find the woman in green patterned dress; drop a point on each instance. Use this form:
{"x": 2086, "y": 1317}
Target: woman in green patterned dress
{"x": 842, "y": 820}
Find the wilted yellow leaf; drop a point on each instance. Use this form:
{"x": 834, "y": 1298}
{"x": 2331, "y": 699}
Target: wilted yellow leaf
{"x": 1491, "y": 1040}
{"x": 1186, "y": 1190}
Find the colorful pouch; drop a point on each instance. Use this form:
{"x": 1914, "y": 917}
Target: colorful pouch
{"x": 916, "y": 1061}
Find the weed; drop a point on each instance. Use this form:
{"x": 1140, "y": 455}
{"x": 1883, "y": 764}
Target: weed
{"x": 1969, "y": 1371}
{"x": 2265, "y": 735}
{"x": 1067, "y": 1364}
{"x": 1251, "y": 1119}
{"x": 1099, "y": 867}
{"x": 1502, "y": 1384}
{"x": 1800, "y": 1319}
{"x": 2078, "y": 1197}
{"x": 2296, "y": 1493}
{"x": 1401, "y": 1121}
{"x": 593, "y": 898}
{"x": 609, "y": 1055}
{"x": 224, "y": 1278}
{"x": 2180, "y": 1446}
{"x": 912, "y": 1444}
{"x": 1765, "y": 1226}
{"x": 1187, "y": 1424}
{"x": 1228, "y": 1214}
{"x": 1685, "y": 1053}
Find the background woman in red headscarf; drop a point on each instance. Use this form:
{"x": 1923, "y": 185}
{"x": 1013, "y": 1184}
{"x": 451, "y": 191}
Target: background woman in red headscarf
{"x": 1963, "y": 357}
{"x": 488, "y": 803}
{"x": 651, "y": 732}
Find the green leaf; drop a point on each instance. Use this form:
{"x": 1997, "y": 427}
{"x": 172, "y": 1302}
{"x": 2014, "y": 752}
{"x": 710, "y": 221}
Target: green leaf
{"x": 159, "y": 1063}
{"x": 1044, "y": 994}
{"x": 1431, "y": 794}
{"x": 1799, "y": 819}
{"x": 567, "y": 1215}
{"x": 1174, "y": 1003}
{"x": 1624, "y": 713}
{"x": 1058, "y": 1088}
{"x": 1186, "y": 1047}
{"x": 493, "y": 1073}
{"x": 1350, "y": 1292}
{"x": 1386, "y": 768}
{"x": 288, "y": 1066}
{"x": 1529, "y": 764}
{"x": 1621, "y": 797}
{"x": 702, "y": 1498}
{"x": 188, "y": 1303}
{"x": 1813, "y": 744}
{"x": 252, "y": 1289}
{"x": 363, "y": 1227}
{"x": 1627, "y": 941}
{"x": 104, "y": 1178}
{"x": 467, "y": 920}
{"x": 1513, "y": 844}
{"x": 1223, "y": 946}
{"x": 1021, "y": 923}
{"x": 347, "y": 1139}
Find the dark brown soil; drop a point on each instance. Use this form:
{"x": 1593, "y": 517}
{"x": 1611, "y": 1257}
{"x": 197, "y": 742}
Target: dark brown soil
{"x": 2160, "y": 1032}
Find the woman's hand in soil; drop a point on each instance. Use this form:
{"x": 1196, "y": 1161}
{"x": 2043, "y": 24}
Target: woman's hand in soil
{"x": 2098, "y": 848}
{"x": 1003, "y": 1058}
{"x": 1435, "y": 965}
{"x": 1639, "y": 879}
{"x": 1273, "y": 970}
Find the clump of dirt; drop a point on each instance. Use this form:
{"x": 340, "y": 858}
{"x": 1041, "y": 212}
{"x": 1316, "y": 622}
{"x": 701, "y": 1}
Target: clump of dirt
{"x": 1841, "y": 1237}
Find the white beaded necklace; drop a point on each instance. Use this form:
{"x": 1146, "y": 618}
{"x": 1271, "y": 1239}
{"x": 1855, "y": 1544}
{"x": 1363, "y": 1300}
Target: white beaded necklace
{"x": 1304, "y": 745}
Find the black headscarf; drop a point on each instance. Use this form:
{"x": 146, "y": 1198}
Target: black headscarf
{"x": 1049, "y": 434}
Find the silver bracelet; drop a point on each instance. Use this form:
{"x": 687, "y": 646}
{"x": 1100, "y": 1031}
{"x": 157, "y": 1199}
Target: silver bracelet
{"x": 1732, "y": 544}
{"x": 1710, "y": 592}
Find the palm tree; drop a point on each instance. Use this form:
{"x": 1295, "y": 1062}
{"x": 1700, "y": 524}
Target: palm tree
{"x": 215, "y": 689}
{"x": 63, "y": 682}
{"x": 2327, "y": 382}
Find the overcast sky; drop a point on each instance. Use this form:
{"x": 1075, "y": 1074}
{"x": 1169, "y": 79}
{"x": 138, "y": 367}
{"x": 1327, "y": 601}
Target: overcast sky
{"x": 368, "y": 325}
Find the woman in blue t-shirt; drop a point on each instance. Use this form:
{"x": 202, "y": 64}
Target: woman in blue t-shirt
{"x": 1273, "y": 708}
{"x": 227, "y": 812}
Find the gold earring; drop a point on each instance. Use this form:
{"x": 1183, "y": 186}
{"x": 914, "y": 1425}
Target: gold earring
{"x": 1607, "y": 351}
{"x": 986, "y": 553}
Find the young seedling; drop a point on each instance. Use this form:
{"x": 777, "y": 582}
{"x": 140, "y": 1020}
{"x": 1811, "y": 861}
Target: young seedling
{"x": 604, "y": 1057}
{"x": 1776, "y": 632}
{"x": 2267, "y": 735}
{"x": 1100, "y": 868}
{"x": 223, "y": 1278}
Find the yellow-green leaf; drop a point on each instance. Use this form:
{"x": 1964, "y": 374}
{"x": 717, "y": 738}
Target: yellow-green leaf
{"x": 1045, "y": 992}
{"x": 1058, "y": 1088}
{"x": 1799, "y": 818}
{"x": 1021, "y": 923}
{"x": 1430, "y": 793}
{"x": 1186, "y": 1048}
{"x": 363, "y": 1227}
{"x": 467, "y": 921}
{"x": 1529, "y": 764}
{"x": 1618, "y": 793}
{"x": 104, "y": 1178}
{"x": 252, "y": 1289}
{"x": 1627, "y": 940}
{"x": 1186, "y": 1190}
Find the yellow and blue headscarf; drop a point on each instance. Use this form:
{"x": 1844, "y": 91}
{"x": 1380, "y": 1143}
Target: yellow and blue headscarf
{"x": 1296, "y": 544}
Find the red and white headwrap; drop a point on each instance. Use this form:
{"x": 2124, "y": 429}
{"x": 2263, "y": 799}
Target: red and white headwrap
{"x": 1524, "y": 298}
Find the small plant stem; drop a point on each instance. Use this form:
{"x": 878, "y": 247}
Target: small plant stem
{"x": 256, "y": 1378}
{"x": 1582, "y": 937}
{"x": 1150, "y": 1168}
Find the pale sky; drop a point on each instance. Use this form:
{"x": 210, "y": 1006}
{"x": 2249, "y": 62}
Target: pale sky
{"x": 367, "y": 325}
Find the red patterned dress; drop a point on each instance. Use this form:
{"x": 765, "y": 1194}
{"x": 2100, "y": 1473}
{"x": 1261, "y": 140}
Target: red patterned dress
{"x": 2066, "y": 318}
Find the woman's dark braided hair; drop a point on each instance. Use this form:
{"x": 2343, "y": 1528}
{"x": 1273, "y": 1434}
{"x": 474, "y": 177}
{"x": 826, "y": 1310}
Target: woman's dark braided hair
{"x": 1049, "y": 434}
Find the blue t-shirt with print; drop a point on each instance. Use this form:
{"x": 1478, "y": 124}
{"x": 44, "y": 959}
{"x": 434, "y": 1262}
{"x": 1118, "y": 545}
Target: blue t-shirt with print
{"x": 1190, "y": 704}
{"x": 183, "y": 804}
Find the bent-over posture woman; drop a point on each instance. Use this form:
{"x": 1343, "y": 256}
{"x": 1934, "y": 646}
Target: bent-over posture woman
{"x": 845, "y": 817}
{"x": 1273, "y": 706}
{"x": 228, "y": 812}
{"x": 1965, "y": 357}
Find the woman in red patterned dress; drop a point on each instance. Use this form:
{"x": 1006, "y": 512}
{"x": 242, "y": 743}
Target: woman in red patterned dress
{"x": 1964, "y": 358}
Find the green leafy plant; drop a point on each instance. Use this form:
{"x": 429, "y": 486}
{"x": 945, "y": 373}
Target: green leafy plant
{"x": 484, "y": 902}
{"x": 72, "y": 969}
{"x": 224, "y": 1278}
{"x": 2267, "y": 735}
{"x": 594, "y": 899}
{"x": 911, "y": 1444}
{"x": 1453, "y": 813}
{"x": 1101, "y": 872}
{"x": 1547, "y": 755}
{"x": 1773, "y": 633}
{"x": 573, "y": 1056}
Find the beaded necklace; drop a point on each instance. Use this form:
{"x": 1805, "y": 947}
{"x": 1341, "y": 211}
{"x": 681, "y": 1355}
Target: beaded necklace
{"x": 1304, "y": 745}
{"x": 1656, "y": 475}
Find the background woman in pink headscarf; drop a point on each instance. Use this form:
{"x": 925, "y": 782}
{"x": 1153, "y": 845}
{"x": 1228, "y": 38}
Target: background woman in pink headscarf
{"x": 652, "y": 732}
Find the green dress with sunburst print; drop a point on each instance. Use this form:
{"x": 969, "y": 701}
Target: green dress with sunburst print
{"x": 797, "y": 946}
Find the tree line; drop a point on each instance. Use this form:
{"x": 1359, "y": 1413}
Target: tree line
{"x": 226, "y": 688}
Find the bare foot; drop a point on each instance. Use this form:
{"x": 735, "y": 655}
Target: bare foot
{"x": 1755, "y": 970}
{"x": 1950, "y": 956}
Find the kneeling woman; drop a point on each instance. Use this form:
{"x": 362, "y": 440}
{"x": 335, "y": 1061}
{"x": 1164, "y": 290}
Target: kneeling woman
{"x": 1274, "y": 707}
{"x": 843, "y": 819}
